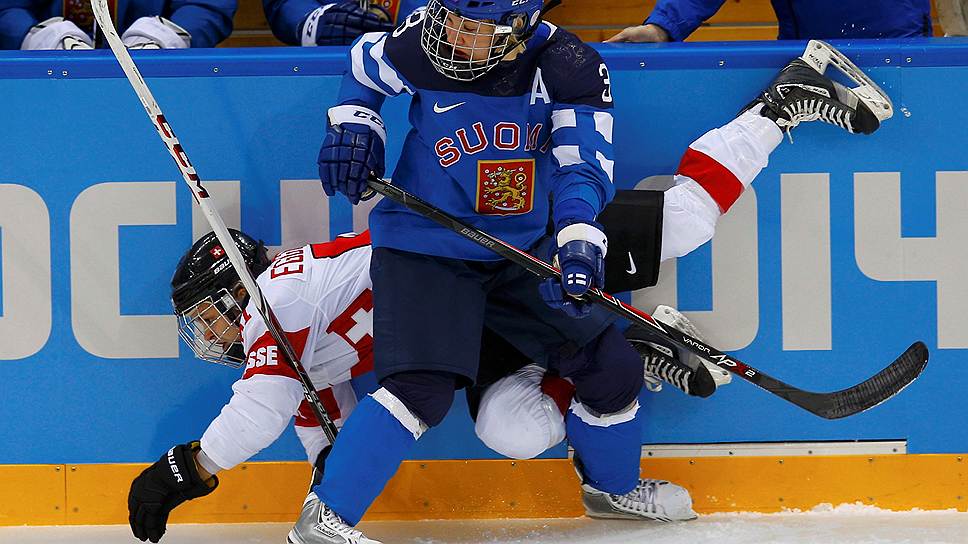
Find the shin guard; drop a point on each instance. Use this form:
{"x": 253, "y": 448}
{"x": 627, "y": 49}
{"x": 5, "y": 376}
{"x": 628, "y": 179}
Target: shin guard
{"x": 608, "y": 446}
{"x": 376, "y": 438}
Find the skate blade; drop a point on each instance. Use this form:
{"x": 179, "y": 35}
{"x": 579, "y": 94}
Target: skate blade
{"x": 819, "y": 54}
{"x": 674, "y": 318}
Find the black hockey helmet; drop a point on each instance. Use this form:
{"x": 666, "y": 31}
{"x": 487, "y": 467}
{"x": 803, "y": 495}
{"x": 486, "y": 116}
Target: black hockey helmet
{"x": 203, "y": 293}
{"x": 206, "y": 268}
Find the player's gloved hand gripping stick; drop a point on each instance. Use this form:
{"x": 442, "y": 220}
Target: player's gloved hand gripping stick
{"x": 867, "y": 394}
{"x": 101, "y": 14}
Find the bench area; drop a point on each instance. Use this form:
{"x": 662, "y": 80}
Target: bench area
{"x": 592, "y": 20}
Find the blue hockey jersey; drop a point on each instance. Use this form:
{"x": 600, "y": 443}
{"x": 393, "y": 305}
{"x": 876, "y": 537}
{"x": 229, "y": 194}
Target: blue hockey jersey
{"x": 286, "y": 16}
{"x": 810, "y": 19}
{"x": 492, "y": 151}
{"x": 208, "y": 21}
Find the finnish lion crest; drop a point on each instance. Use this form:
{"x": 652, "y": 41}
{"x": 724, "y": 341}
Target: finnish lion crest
{"x": 506, "y": 189}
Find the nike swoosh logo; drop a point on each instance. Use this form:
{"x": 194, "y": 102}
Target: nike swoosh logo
{"x": 632, "y": 268}
{"x": 445, "y": 109}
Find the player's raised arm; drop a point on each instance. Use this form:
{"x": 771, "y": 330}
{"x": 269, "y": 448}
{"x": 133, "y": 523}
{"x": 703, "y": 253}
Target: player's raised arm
{"x": 355, "y": 140}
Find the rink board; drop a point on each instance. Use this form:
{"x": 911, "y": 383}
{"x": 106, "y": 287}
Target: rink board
{"x": 487, "y": 489}
{"x": 847, "y": 249}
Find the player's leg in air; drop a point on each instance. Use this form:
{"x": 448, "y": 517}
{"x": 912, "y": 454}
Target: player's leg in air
{"x": 719, "y": 165}
{"x": 714, "y": 172}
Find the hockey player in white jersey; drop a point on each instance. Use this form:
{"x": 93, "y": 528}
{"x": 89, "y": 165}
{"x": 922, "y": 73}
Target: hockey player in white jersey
{"x": 320, "y": 293}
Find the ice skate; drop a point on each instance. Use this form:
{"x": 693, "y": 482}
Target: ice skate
{"x": 657, "y": 500}
{"x": 319, "y": 525}
{"x": 674, "y": 318}
{"x": 665, "y": 364}
{"x": 801, "y": 92}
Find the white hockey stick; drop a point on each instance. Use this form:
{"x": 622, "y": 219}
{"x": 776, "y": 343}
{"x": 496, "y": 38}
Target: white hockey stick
{"x": 103, "y": 18}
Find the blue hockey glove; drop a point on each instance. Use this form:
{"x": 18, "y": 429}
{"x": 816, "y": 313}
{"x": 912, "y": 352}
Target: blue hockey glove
{"x": 343, "y": 22}
{"x": 581, "y": 258}
{"x": 353, "y": 147}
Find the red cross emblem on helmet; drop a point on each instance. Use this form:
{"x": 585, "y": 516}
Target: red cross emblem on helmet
{"x": 217, "y": 252}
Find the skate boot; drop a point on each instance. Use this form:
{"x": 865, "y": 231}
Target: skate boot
{"x": 666, "y": 364}
{"x": 319, "y": 525}
{"x": 657, "y": 500}
{"x": 801, "y": 92}
{"x": 674, "y": 318}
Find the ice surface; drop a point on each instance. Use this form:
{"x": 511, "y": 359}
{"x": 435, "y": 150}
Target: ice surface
{"x": 845, "y": 524}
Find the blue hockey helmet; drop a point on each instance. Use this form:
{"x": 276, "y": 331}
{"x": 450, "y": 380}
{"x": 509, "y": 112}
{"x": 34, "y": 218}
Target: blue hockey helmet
{"x": 464, "y": 39}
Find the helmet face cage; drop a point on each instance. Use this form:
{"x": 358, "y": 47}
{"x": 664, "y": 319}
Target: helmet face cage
{"x": 203, "y": 325}
{"x": 463, "y": 48}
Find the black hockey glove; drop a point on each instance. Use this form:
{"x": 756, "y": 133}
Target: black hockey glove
{"x": 172, "y": 480}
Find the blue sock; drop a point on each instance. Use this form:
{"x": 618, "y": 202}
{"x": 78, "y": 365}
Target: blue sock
{"x": 367, "y": 453}
{"x": 609, "y": 452}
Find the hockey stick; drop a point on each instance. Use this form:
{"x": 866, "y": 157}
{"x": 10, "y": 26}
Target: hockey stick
{"x": 867, "y": 394}
{"x": 103, "y": 18}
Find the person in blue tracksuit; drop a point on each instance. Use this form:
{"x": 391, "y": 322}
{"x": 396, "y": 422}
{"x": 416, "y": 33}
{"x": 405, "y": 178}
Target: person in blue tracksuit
{"x": 511, "y": 124}
{"x": 674, "y": 20}
{"x": 322, "y": 22}
{"x": 143, "y": 24}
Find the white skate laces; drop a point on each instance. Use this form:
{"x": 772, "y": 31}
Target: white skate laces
{"x": 330, "y": 522}
{"x": 659, "y": 368}
{"x": 675, "y": 319}
{"x": 657, "y": 500}
{"x": 641, "y": 499}
{"x": 813, "y": 110}
{"x": 844, "y": 107}
{"x": 318, "y": 524}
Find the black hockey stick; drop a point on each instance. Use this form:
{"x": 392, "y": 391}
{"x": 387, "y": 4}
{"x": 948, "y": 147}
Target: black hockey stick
{"x": 103, "y": 18}
{"x": 867, "y": 394}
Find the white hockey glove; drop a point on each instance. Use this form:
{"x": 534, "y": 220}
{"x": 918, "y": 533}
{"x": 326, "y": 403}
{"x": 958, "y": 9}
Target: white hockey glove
{"x": 156, "y": 33}
{"x": 56, "y": 33}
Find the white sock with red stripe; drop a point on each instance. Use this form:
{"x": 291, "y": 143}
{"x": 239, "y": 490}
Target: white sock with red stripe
{"x": 726, "y": 160}
{"x": 713, "y": 173}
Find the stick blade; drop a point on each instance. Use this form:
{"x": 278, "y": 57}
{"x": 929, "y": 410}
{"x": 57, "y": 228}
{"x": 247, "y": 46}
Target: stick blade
{"x": 882, "y": 386}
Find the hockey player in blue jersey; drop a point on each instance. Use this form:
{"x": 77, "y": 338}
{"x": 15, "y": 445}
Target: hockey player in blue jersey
{"x": 320, "y": 22}
{"x": 144, "y": 24}
{"x": 511, "y": 125}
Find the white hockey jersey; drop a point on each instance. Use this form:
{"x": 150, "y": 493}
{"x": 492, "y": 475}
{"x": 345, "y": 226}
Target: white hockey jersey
{"x": 321, "y": 295}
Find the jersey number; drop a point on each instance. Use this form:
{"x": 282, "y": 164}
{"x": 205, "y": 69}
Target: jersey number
{"x": 607, "y": 93}
{"x": 412, "y": 20}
